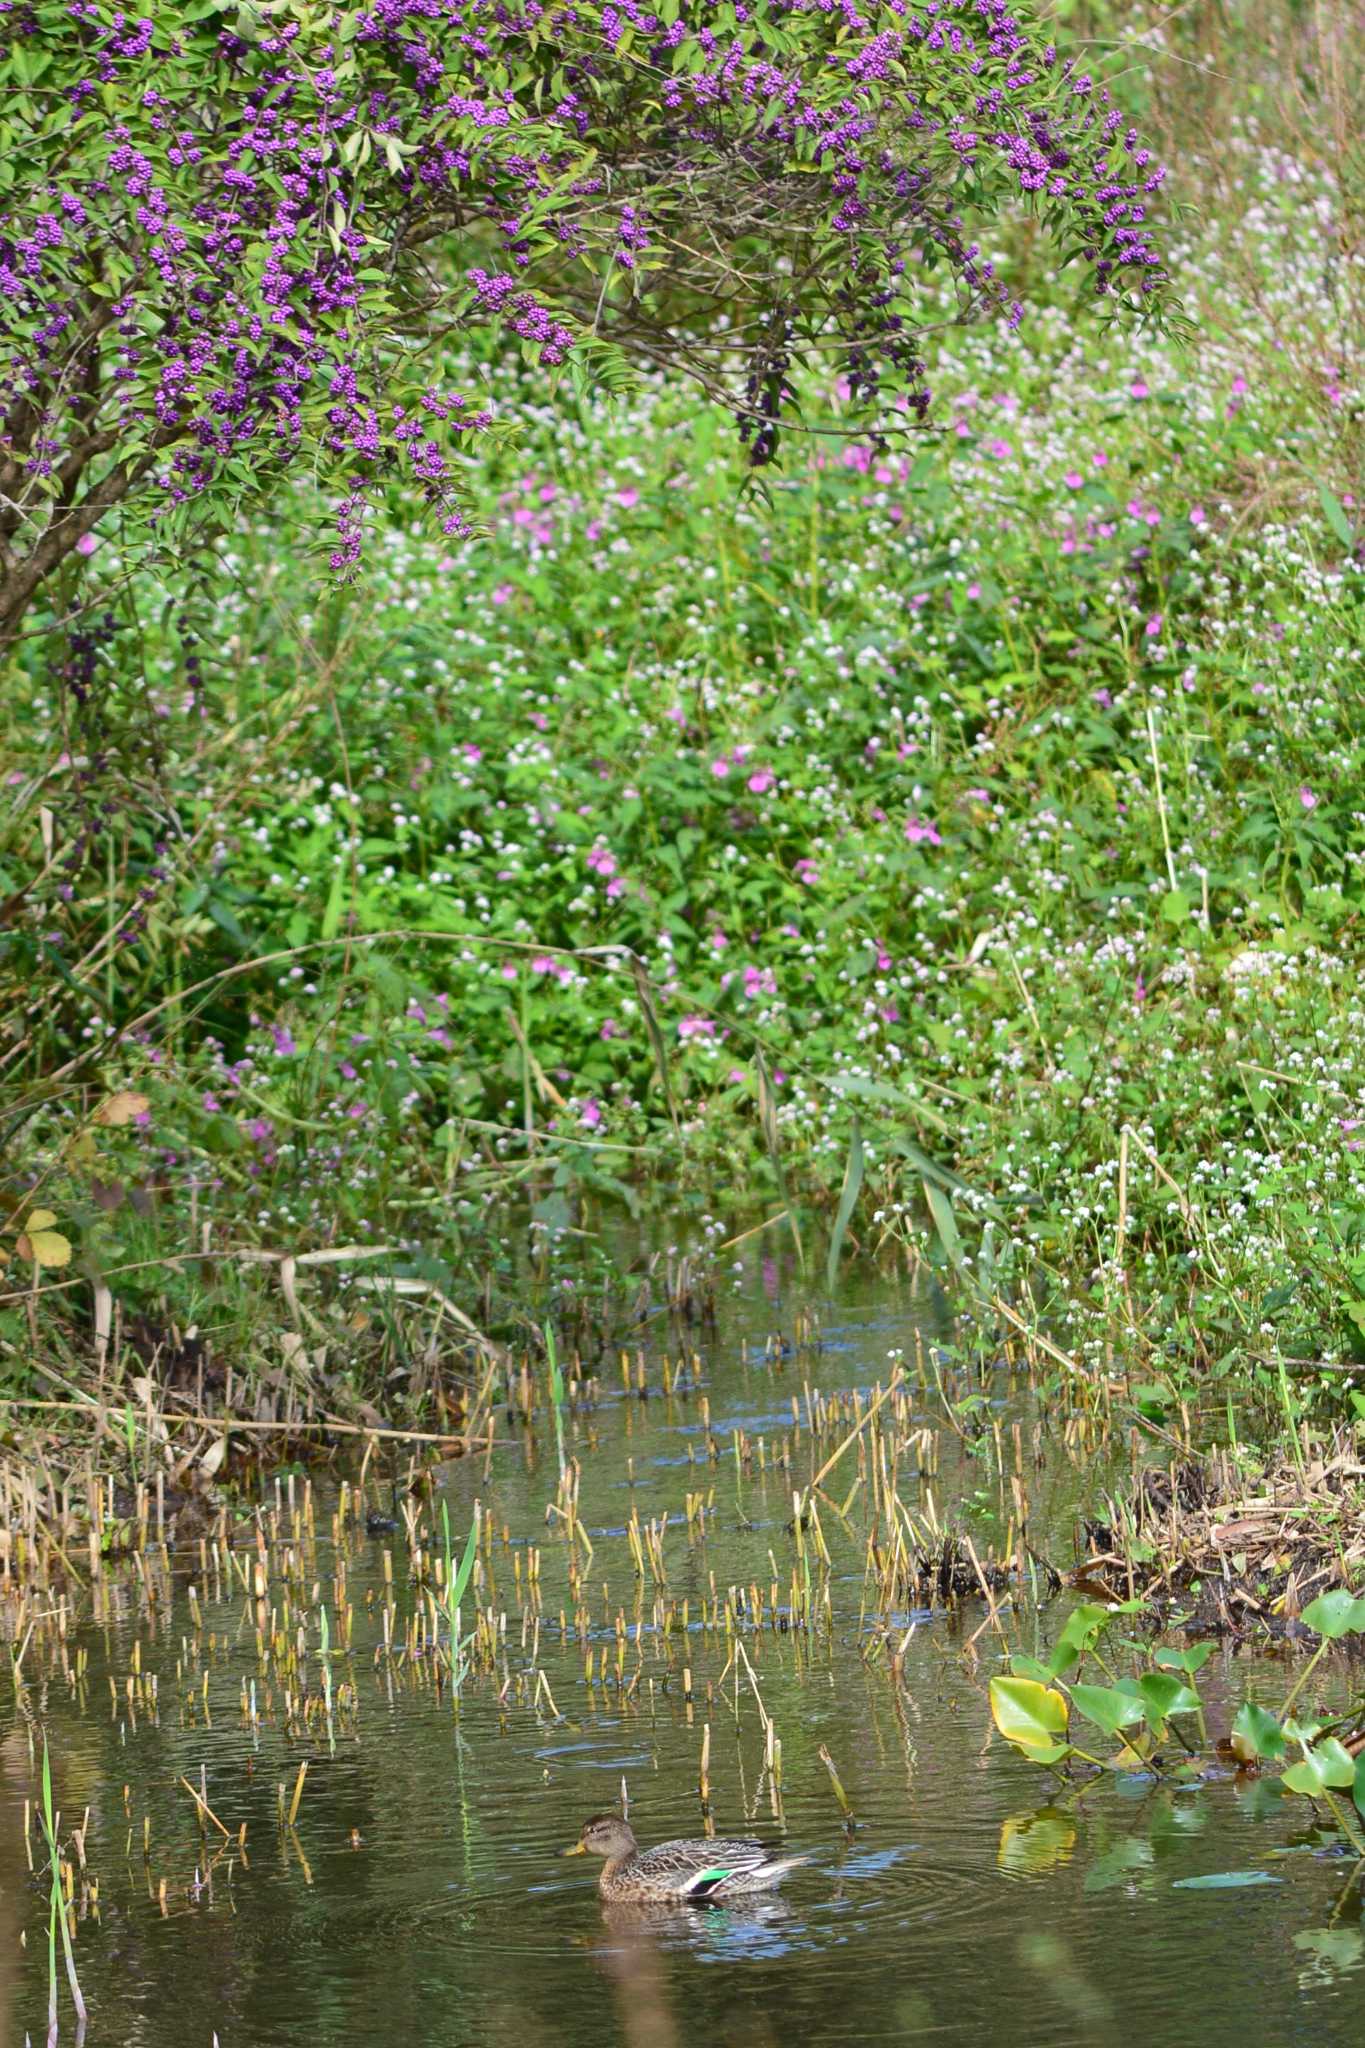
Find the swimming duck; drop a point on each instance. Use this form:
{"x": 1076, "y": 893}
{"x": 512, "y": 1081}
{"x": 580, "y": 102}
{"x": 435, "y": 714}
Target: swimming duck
{"x": 680, "y": 1873}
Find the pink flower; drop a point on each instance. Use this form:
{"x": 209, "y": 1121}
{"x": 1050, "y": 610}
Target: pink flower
{"x": 1139, "y": 388}
{"x": 630, "y": 497}
{"x": 1198, "y": 516}
{"x": 610, "y": 1029}
{"x": 761, "y": 781}
{"x": 1073, "y": 479}
{"x": 806, "y": 871}
{"x": 920, "y": 831}
{"x": 720, "y": 767}
{"x": 602, "y": 860}
{"x": 1307, "y": 798}
{"x": 759, "y": 981}
{"x": 504, "y": 593}
{"x": 1153, "y": 627}
{"x": 591, "y": 1113}
{"x": 87, "y": 544}
{"x": 696, "y": 1027}
{"x": 718, "y": 941}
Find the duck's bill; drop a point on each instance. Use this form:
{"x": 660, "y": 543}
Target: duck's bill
{"x": 578, "y": 1849}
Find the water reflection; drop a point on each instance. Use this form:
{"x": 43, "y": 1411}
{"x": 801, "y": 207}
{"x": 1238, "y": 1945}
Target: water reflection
{"x": 419, "y": 1897}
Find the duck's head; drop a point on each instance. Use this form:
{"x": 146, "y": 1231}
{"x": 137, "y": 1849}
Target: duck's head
{"x": 606, "y": 1834}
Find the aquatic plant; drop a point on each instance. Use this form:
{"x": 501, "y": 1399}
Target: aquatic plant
{"x": 1033, "y": 1707}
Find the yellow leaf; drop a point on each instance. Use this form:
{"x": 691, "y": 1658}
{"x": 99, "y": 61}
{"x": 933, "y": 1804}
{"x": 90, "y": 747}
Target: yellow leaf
{"x": 40, "y": 1219}
{"x": 121, "y": 1108}
{"x": 45, "y": 1247}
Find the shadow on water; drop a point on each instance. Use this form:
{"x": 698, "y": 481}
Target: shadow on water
{"x": 420, "y": 1897}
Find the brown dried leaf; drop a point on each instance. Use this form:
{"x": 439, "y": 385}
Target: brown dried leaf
{"x": 121, "y": 1108}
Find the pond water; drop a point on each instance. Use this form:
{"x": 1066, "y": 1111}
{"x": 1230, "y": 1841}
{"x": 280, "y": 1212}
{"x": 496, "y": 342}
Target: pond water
{"x": 420, "y": 1897}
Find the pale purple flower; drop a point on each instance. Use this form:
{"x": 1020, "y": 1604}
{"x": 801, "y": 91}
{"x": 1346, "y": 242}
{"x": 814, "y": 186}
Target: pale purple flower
{"x": 921, "y": 831}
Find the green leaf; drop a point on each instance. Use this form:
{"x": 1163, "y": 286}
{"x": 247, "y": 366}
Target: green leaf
{"x": 1031, "y": 1716}
{"x": 1175, "y": 906}
{"x": 1334, "y": 512}
{"x": 1110, "y": 1710}
{"x": 1162, "y": 1695}
{"x": 1327, "y": 1765}
{"x": 848, "y": 1197}
{"x": 1083, "y": 1625}
{"x": 1190, "y": 1660}
{"x": 1224, "y": 1880}
{"x": 1257, "y": 1735}
{"x": 945, "y": 1222}
{"x": 1335, "y": 1614}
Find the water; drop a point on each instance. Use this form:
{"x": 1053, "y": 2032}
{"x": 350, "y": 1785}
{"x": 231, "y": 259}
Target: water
{"x": 421, "y": 1898}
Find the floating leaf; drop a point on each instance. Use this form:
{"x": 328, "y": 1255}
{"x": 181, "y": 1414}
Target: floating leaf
{"x": 1224, "y": 1880}
{"x": 1031, "y": 1716}
{"x": 121, "y": 1108}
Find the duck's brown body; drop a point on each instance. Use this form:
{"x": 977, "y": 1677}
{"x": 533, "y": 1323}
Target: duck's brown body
{"x": 677, "y": 1873}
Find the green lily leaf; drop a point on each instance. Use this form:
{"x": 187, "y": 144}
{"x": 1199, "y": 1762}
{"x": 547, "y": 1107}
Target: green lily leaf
{"x": 1191, "y": 1660}
{"x": 1163, "y": 1694}
{"x": 1083, "y": 1626}
{"x": 1335, "y": 1614}
{"x": 1257, "y": 1735}
{"x": 1107, "y": 1708}
{"x": 1031, "y": 1716}
{"x": 1329, "y": 1765}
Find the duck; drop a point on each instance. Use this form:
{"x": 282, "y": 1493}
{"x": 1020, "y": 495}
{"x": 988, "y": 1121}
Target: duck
{"x": 680, "y": 1873}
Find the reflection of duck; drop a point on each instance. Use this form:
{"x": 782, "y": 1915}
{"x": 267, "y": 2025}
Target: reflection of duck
{"x": 678, "y": 1873}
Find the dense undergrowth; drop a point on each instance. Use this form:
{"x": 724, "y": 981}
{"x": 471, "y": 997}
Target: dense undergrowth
{"x": 975, "y": 822}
